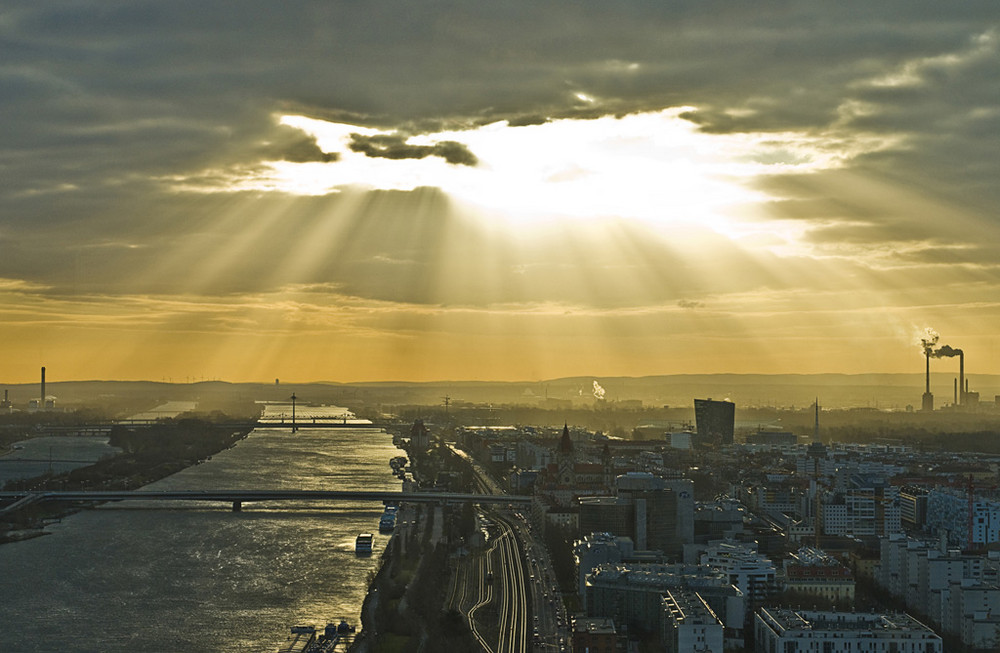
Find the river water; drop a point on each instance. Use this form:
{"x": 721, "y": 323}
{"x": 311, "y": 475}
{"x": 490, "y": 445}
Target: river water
{"x": 177, "y": 578}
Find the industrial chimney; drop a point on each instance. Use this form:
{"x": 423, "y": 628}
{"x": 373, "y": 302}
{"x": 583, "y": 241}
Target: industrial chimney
{"x": 927, "y": 401}
{"x": 41, "y": 404}
{"x": 961, "y": 378}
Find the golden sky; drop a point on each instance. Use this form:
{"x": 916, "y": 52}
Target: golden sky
{"x": 351, "y": 193}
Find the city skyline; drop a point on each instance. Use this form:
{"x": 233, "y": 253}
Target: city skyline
{"x": 375, "y": 192}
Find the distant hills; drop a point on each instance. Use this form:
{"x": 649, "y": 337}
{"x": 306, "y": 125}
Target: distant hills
{"x": 885, "y": 391}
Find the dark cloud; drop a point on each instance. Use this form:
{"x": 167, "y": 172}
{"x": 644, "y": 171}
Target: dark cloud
{"x": 527, "y": 120}
{"x": 393, "y": 146}
{"x": 289, "y": 144}
{"x": 455, "y": 153}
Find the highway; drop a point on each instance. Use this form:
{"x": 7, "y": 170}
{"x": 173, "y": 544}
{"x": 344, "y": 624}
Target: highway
{"x": 551, "y": 622}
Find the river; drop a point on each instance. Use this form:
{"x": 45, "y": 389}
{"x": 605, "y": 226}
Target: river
{"x": 176, "y": 578}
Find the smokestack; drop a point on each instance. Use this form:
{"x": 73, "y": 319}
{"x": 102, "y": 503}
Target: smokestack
{"x": 927, "y": 343}
{"x": 961, "y": 377}
{"x": 41, "y": 406}
{"x": 945, "y": 350}
{"x": 927, "y": 401}
{"x": 816, "y": 424}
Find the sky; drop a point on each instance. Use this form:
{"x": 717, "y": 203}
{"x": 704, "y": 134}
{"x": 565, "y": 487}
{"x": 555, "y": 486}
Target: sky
{"x": 360, "y": 191}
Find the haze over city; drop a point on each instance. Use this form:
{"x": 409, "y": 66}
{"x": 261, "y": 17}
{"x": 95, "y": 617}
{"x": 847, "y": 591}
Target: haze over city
{"x": 389, "y": 191}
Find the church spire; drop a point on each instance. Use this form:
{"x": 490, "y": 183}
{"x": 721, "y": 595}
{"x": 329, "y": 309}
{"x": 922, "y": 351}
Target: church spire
{"x": 565, "y": 443}
{"x": 565, "y": 460}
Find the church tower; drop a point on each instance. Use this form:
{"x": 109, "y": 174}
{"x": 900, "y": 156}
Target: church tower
{"x": 565, "y": 459}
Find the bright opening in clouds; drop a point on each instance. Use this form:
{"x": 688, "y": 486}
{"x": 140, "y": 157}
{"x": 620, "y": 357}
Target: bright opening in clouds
{"x": 654, "y": 167}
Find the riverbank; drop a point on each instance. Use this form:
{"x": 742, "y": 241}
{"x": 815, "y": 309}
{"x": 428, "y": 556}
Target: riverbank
{"x": 407, "y": 607}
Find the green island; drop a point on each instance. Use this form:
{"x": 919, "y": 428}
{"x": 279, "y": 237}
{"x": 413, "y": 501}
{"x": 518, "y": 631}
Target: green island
{"x": 147, "y": 453}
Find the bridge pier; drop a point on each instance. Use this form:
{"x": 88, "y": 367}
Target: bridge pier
{"x": 237, "y": 506}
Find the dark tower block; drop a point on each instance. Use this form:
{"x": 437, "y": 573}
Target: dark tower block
{"x": 715, "y": 421}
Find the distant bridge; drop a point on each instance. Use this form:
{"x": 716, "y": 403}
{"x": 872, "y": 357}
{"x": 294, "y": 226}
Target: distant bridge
{"x": 238, "y": 497}
{"x": 325, "y": 423}
{"x": 103, "y": 428}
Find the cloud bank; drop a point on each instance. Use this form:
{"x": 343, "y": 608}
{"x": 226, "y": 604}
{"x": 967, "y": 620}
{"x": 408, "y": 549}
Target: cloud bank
{"x": 127, "y": 126}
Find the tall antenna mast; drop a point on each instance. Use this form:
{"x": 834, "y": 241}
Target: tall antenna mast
{"x": 816, "y": 424}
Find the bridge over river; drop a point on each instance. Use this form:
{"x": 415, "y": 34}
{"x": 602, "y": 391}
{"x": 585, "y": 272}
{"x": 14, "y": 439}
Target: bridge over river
{"x": 103, "y": 428}
{"x": 238, "y": 497}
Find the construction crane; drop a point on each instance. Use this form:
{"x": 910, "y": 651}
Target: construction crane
{"x": 970, "y": 487}
{"x": 970, "y": 493}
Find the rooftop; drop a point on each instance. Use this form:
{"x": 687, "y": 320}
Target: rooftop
{"x": 812, "y": 620}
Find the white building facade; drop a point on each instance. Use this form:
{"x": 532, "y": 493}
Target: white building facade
{"x": 948, "y": 508}
{"x": 795, "y": 631}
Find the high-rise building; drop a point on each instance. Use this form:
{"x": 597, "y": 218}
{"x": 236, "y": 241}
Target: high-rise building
{"x": 715, "y": 421}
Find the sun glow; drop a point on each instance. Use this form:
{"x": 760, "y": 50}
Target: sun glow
{"x": 654, "y": 167}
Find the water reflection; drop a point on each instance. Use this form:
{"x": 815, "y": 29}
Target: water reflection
{"x": 175, "y": 578}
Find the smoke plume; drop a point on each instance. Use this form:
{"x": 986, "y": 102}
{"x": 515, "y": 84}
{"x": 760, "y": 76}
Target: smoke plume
{"x": 598, "y": 391}
{"x": 946, "y": 351}
{"x": 929, "y": 339}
